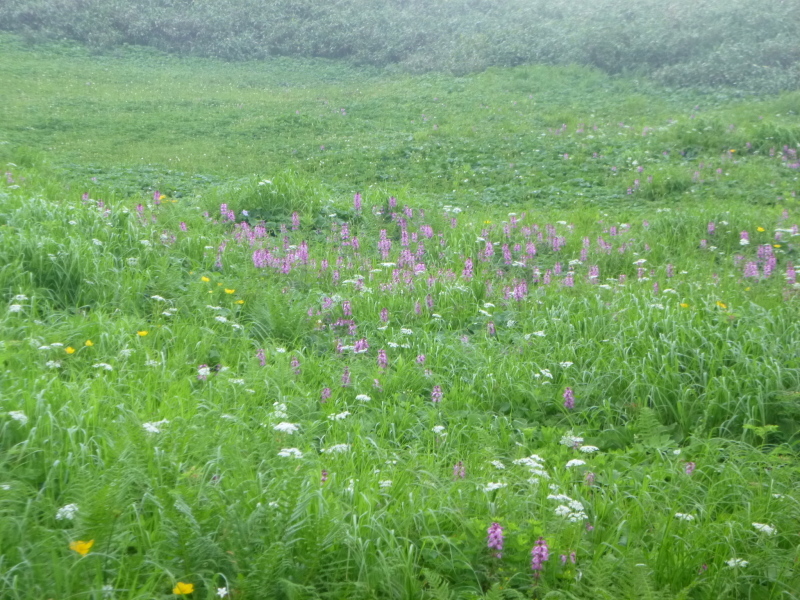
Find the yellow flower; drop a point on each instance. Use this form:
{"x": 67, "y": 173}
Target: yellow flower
{"x": 69, "y": 350}
{"x": 760, "y": 229}
{"x": 219, "y": 284}
{"x": 141, "y": 333}
{"x": 162, "y": 197}
{"x": 89, "y": 343}
{"x": 732, "y": 150}
{"x": 204, "y": 278}
{"x": 747, "y": 289}
{"x": 80, "y": 547}
{"x": 721, "y": 304}
{"x": 240, "y": 302}
{"x": 229, "y": 291}
{"x": 487, "y": 222}
{"x": 776, "y": 245}
{"x": 684, "y": 305}
{"x": 181, "y": 589}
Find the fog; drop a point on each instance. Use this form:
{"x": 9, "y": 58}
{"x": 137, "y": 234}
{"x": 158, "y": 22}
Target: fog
{"x": 751, "y": 45}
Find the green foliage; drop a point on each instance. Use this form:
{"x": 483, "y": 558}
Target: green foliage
{"x": 152, "y": 371}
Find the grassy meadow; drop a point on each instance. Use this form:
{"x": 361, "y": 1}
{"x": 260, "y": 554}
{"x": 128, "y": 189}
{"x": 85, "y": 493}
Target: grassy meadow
{"x": 298, "y": 329}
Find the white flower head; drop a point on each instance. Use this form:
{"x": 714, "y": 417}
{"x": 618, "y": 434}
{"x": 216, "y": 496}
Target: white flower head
{"x": 67, "y": 512}
{"x": 339, "y": 417}
{"x": 15, "y": 308}
{"x": 19, "y": 416}
{"x": 439, "y": 430}
{"x": 284, "y": 427}
{"x": 337, "y": 449}
{"x": 386, "y": 483}
{"x": 764, "y": 528}
{"x": 498, "y": 465}
{"x": 684, "y": 517}
{"x": 290, "y": 453}
{"x": 588, "y": 449}
{"x": 222, "y": 592}
{"x": 570, "y": 440}
{"x": 566, "y": 364}
{"x": 104, "y": 366}
{"x": 154, "y": 426}
{"x": 575, "y": 462}
{"x": 20, "y": 298}
{"x": 736, "y": 562}
{"x": 492, "y": 486}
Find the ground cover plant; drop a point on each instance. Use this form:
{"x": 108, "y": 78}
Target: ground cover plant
{"x": 553, "y": 354}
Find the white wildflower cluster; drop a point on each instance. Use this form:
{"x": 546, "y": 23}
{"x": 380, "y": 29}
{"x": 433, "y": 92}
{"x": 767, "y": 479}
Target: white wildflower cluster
{"x": 575, "y": 462}
{"x": 535, "y": 465}
{"x": 363, "y": 398}
{"x": 498, "y": 464}
{"x": 19, "y": 416}
{"x": 439, "y": 430}
{"x": 279, "y": 410}
{"x": 290, "y": 453}
{"x": 764, "y": 528}
{"x": 571, "y": 441}
{"x": 288, "y": 428}
{"x": 736, "y": 562}
{"x": 570, "y": 509}
{"x": 492, "y": 486}
{"x": 154, "y": 426}
{"x": 339, "y": 417}
{"x": 67, "y": 512}
{"x": 684, "y": 517}
{"x": 336, "y": 449}
{"x": 588, "y": 449}
{"x": 386, "y": 483}
{"x": 104, "y": 366}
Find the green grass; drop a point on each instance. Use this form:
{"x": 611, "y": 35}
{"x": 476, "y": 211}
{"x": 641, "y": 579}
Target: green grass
{"x": 687, "y": 362}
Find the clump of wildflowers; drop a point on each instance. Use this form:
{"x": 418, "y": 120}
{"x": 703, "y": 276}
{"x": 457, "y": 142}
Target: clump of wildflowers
{"x": 540, "y": 554}
{"x": 495, "y": 539}
{"x": 569, "y": 399}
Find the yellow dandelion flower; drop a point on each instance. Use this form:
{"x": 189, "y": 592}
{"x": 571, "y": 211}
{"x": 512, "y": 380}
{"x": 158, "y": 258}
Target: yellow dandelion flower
{"x": 69, "y": 350}
{"x": 760, "y": 229}
{"x": 732, "y": 150}
{"x": 142, "y": 333}
{"x": 181, "y": 588}
{"x": 162, "y": 197}
{"x": 487, "y": 222}
{"x": 240, "y": 302}
{"x": 229, "y": 291}
{"x": 722, "y": 304}
{"x": 684, "y": 305}
{"x": 204, "y": 278}
{"x": 776, "y": 245}
{"x": 88, "y": 343}
{"x": 81, "y": 547}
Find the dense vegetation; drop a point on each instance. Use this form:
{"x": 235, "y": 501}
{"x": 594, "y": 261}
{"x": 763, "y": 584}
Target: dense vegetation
{"x": 752, "y": 45}
{"x": 527, "y": 333}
